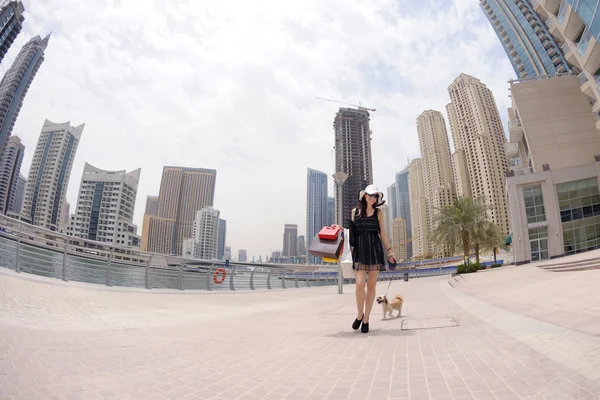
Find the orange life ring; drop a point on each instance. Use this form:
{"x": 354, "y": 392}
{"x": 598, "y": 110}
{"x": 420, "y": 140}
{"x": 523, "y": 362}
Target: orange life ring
{"x": 219, "y": 271}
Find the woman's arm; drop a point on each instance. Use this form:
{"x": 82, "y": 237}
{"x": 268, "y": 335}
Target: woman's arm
{"x": 383, "y": 235}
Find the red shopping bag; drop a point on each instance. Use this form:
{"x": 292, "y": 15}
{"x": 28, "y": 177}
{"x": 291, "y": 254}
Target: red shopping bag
{"x": 329, "y": 233}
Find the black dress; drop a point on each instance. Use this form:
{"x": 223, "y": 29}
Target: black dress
{"x": 368, "y": 253}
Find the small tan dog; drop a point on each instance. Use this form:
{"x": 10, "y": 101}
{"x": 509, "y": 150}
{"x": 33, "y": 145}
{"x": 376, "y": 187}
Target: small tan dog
{"x": 390, "y": 305}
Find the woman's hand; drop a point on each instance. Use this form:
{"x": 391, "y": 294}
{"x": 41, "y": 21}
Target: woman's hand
{"x": 392, "y": 259}
{"x": 337, "y": 226}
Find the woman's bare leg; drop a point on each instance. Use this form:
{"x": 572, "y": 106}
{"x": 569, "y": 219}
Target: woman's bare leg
{"x": 371, "y": 288}
{"x": 361, "y": 277}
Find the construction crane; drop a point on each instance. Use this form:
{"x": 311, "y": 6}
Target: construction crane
{"x": 359, "y": 106}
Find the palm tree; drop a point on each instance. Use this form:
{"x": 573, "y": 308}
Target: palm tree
{"x": 456, "y": 223}
{"x": 489, "y": 237}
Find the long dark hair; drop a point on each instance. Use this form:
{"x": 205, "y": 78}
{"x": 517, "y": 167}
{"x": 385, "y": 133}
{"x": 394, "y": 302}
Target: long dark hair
{"x": 362, "y": 206}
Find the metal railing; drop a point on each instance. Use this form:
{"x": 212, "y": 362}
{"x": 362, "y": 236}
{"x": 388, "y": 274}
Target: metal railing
{"x": 29, "y": 249}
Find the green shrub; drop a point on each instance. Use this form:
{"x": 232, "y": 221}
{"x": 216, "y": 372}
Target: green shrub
{"x": 468, "y": 269}
{"x": 496, "y": 265}
{"x": 461, "y": 269}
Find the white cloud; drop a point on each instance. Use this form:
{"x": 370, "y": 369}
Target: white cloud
{"x": 231, "y": 85}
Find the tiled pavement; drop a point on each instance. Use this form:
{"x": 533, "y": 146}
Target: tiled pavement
{"x": 71, "y": 341}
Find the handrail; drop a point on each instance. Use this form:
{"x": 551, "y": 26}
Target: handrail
{"x": 25, "y": 248}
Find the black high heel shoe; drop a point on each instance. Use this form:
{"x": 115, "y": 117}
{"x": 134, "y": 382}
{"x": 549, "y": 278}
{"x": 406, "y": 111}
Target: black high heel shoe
{"x": 357, "y": 323}
{"x": 365, "y": 327}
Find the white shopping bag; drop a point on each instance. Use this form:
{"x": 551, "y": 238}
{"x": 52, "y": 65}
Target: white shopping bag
{"x": 345, "y": 259}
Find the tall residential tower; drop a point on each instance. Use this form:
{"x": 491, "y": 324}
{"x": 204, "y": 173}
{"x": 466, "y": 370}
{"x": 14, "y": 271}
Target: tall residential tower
{"x": 49, "y": 174}
{"x": 403, "y": 205}
{"x": 183, "y": 192}
{"x": 16, "y": 82}
{"x": 11, "y": 159}
{"x": 316, "y": 204}
{"x": 437, "y": 173}
{"x": 11, "y": 23}
{"x": 418, "y": 209}
{"x": 352, "y": 156}
{"x": 530, "y": 47}
{"x": 479, "y": 139}
{"x": 105, "y": 206}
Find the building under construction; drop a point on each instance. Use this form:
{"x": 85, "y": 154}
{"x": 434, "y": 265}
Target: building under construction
{"x": 352, "y": 156}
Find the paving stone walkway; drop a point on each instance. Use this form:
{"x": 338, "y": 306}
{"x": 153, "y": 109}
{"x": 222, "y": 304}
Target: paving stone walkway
{"x": 72, "y": 341}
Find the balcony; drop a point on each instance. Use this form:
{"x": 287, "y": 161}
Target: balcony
{"x": 538, "y": 29}
{"x": 582, "y": 78}
{"x": 556, "y": 60}
{"x": 584, "y": 43}
{"x": 591, "y": 57}
{"x": 514, "y": 124}
{"x": 573, "y": 25}
{"x": 512, "y": 149}
{"x": 552, "y": 6}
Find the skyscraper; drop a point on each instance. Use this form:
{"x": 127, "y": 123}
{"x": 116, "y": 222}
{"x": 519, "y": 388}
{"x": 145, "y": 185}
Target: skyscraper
{"x": 403, "y": 203}
{"x": 65, "y": 218}
{"x": 11, "y": 159}
{"x": 290, "y": 240}
{"x": 477, "y": 131}
{"x": 392, "y": 193}
{"x": 301, "y": 248}
{"x": 105, "y": 207}
{"x": 151, "y": 205}
{"x": 206, "y": 233}
{"x": 418, "y": 209}
{"x": 222, "y": 238}
{"x": 19, "y": 196}
{"x": 399, "y": 239}
{"x": 11, "y": 17}
{"x": 316, "y": 204}
{"x": 242, "y": 255}
{"x": 530, "y": 47}
{"x": 330, "y": 211}
{"x": 575, "y": 25}
{"x": 352, "y": 156}
{"x": 16, "y": 82}
{"x": 437, "y": 172}
{"x": 49, "y": 174}
{"x": 183, "y": 192}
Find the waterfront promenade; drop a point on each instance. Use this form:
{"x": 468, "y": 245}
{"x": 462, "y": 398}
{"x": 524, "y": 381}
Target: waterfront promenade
{"x": 67, "y": 340}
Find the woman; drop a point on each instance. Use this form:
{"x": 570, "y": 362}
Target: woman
{"x": 368, "y": 254}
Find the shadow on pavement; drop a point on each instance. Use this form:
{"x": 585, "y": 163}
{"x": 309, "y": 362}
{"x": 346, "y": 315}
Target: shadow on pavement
{"x": 373, "y": 332}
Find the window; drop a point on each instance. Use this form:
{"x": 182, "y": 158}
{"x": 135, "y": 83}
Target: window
{"x": 534, "y": 204}
{"x": 579, "y": 205}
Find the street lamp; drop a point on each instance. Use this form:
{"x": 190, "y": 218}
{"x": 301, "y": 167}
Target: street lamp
{"x": 341, "y": 178}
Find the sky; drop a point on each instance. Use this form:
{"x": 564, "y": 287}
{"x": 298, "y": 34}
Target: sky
{"x": 232, "y": 86}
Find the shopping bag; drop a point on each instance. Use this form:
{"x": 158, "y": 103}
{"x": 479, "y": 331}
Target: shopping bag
{"x": 346, "y": 258}
{"x": 326, "y": 248}
{"x": 329, "y": 233}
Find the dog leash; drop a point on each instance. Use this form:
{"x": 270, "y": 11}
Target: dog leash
{"x": 388, "y": 288}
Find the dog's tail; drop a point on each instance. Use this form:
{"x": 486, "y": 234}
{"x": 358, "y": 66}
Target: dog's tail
{"x": 399, "y": 297}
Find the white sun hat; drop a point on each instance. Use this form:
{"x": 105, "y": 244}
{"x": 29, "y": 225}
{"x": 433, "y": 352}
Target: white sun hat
{"x": 372, "y": 189}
